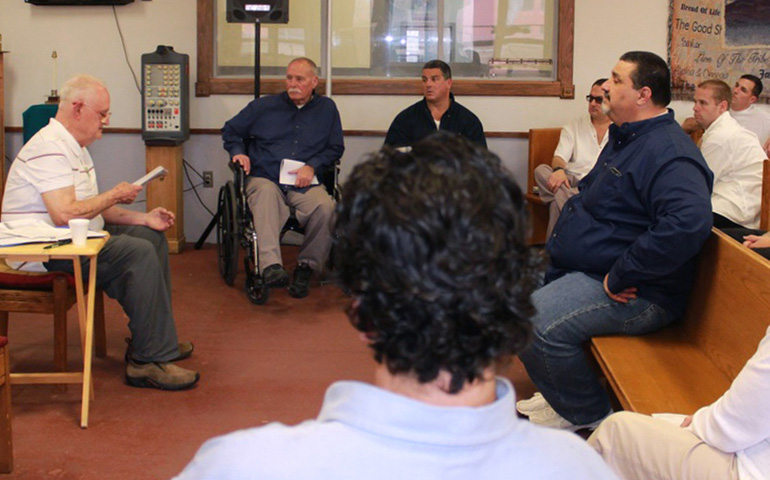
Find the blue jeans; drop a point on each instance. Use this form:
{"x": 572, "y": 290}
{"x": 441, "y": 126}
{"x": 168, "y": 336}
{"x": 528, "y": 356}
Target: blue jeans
{"x": 571, "y": 310}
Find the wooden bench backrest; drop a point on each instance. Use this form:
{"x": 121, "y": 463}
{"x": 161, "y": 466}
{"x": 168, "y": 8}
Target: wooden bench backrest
{"x": 729, "y": 309}
{"x": 764, "y": 215}
{"x": 542, "y": 144}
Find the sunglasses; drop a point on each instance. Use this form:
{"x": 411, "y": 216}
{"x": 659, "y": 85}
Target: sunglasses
{"x": 598, "y": 100}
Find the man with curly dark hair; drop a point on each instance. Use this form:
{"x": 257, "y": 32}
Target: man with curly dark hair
{"x": 430, "y": 244}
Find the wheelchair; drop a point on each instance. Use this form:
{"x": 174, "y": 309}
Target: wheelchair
{"x": 235, "y": 230}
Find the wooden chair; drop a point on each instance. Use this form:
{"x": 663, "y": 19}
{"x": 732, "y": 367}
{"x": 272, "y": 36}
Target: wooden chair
{"x": 542, "y": 145}
{"x": 6, "y": 441}
{"x": 49, "y": 293}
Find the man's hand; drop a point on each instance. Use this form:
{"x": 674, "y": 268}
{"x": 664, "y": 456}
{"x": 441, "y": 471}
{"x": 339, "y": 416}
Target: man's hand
{"x": 622, "y": 297}
{"x": 160, "y": 219}
{"x": 557, "y": 179}
{"x": 125, "y": 192}
{"x": 304, "y": 176}
{"x": 690, "y": 125}
{"x": 756, "y": 241}
{"x": 244, "y": 160}
{"x": 767, "y": 148}
{"x": 686, "y": 422}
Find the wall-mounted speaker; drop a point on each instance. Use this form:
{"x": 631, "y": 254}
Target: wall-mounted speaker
{"x": 264, "y": 11}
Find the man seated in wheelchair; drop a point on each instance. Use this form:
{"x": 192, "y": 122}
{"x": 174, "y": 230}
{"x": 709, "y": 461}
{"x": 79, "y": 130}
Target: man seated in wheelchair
{"x": 297, "y": 125}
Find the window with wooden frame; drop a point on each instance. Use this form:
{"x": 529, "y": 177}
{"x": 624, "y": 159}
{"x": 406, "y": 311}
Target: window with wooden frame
{"x": 495, "y": 47}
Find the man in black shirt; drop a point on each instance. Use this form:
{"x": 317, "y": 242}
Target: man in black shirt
{"x": 436, "y": 111}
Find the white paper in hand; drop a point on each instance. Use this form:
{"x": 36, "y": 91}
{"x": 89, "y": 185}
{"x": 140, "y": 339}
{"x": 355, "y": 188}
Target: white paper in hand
{"x": 155, "y": 173}
{"x": 289, "y": 165}
{"x": 672, "y": 418}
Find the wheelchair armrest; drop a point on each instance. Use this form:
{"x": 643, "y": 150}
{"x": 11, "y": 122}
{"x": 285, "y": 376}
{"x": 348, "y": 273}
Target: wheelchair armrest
{"x": 239, "y": 175}
{"x": 235, "y": 167}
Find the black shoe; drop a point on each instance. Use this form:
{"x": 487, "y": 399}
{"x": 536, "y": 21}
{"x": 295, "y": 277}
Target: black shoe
{"x": 300, "y": 287}
{"x": 275, "y": 276}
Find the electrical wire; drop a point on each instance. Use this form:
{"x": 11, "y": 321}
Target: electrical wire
{"x": 125, "y": 50}
{"x": 193, "y": 169}
{"x": 185, "y": 164}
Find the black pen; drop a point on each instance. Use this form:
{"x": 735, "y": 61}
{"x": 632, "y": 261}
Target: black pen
{"x": 66, "y": 241}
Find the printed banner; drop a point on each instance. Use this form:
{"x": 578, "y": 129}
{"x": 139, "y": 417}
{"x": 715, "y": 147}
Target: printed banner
{"x": 718, "y": 39}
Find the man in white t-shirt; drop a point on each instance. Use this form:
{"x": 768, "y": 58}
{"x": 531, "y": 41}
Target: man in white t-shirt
{"x": 733, "y": 153}
{"x": 53, "y": 179}
{"x": 745, "y": 111}
{"x": 579, "y": 146}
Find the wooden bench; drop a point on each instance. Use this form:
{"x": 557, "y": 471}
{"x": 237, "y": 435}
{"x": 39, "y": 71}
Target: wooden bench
{"x": 691, "y": 364}
{"x": 764, "y": 214}
{"x": 542, "y": 145}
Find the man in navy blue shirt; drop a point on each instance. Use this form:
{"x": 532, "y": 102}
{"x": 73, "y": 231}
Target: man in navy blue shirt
{"x": 623, "y": 250}
{"x": 436, "y": 111}
{"x": 295, "y": 125}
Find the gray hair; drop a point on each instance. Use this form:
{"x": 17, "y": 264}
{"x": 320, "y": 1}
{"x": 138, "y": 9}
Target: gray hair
{"x": 79, "y": 86}
{"x": 309, "y": 63}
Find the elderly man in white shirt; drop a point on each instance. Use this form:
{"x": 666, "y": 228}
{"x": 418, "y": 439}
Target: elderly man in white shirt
{"x": 735, "y": 156}
{"x": 747, "y": 113}
{"x": 580, "y": 143}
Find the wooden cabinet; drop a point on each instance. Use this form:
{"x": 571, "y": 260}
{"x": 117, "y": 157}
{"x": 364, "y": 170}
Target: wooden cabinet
{"x": 167, "y": 192}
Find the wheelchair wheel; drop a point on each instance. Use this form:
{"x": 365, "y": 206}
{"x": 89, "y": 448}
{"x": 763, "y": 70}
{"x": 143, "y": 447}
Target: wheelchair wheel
{"x": 256, "y": 290}
{"x": 227, "y": 233}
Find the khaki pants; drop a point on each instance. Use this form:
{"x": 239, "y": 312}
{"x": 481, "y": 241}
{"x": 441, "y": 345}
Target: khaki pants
{"x": 557, "y": 199}
{"x": 270, "y": 207}
{"x": 641, "y": 447}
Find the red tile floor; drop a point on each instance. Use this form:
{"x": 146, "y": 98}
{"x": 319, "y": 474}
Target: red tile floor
{"x": 258, "y": 364}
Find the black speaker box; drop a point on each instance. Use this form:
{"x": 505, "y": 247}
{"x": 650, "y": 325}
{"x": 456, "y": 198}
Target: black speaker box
{"x": 266, "y": 11}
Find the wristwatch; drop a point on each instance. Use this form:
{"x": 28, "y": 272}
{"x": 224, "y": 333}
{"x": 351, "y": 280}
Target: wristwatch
{"x": 557, "y": 168}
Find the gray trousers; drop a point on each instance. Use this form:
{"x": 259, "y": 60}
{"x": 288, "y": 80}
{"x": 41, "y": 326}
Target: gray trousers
{"x": 555, "y": 200}
{"x": 133, "y": 269}
{"x": 270, "y": 207}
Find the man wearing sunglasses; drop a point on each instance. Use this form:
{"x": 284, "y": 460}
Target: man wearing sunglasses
{"x": 579, "y": 146}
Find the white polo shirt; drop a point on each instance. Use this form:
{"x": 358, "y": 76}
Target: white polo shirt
{"x": 52, "y": 159}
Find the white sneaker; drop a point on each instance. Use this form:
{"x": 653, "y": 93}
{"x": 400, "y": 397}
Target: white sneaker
{"x": 531, "y": 405}
{"x": 547, "y": 417}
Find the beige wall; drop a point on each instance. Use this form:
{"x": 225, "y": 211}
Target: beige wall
{"x": 87, "y": 41}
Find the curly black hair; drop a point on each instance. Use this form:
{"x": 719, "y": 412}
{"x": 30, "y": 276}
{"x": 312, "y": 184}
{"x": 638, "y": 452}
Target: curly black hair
{"x": 431, "y": 245}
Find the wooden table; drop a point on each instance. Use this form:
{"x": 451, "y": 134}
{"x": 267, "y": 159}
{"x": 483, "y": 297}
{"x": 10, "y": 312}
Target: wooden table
{"x": 36, "y": 252}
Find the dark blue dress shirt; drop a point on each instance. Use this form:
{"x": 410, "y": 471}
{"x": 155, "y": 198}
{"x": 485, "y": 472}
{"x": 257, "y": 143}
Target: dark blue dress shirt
{"x": 642, "y": 214}
{"x": 274, "y": 129}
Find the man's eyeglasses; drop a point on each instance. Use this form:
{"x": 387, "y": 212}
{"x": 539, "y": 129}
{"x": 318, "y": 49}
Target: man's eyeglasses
{"x": 598, "y": 100}
{"x": 104, "y": 115}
